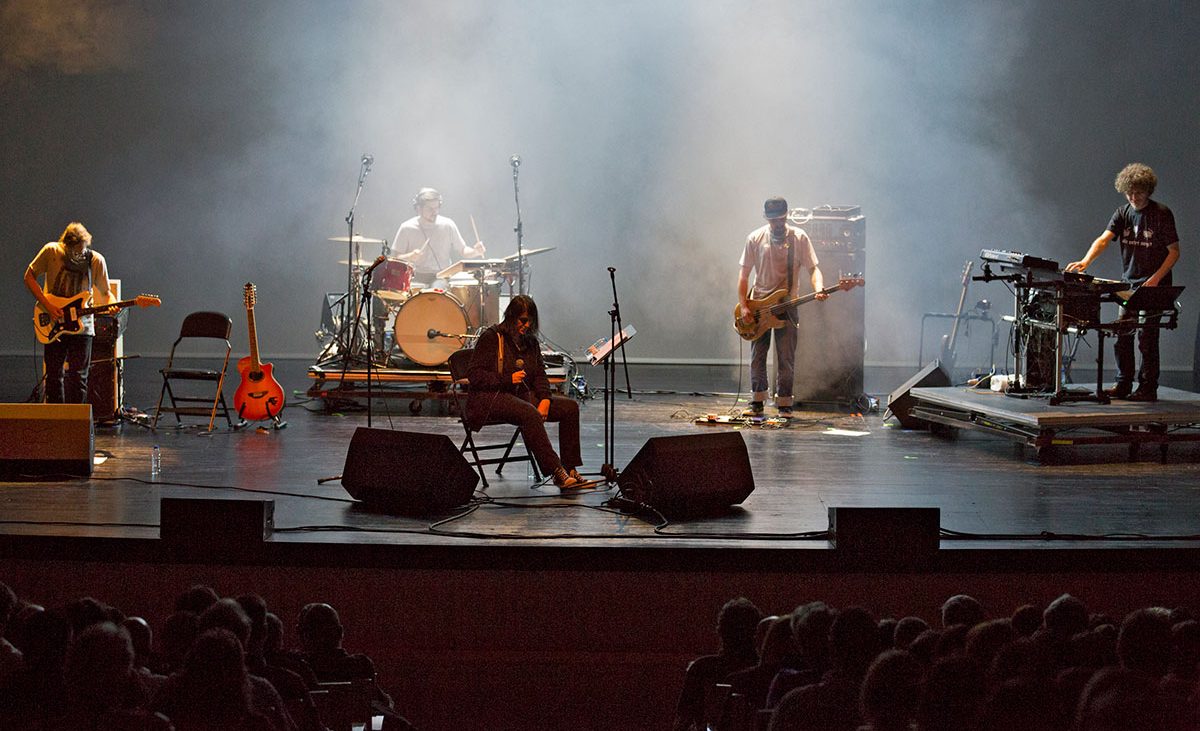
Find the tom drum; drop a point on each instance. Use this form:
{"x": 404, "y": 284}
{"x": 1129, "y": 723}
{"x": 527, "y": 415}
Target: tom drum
{"x": 392, "y": 280}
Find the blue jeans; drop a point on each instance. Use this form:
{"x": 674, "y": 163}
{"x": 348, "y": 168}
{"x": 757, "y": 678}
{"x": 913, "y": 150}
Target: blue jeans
{"x": 68, "y": 386}
{"x": 785, "y": 364}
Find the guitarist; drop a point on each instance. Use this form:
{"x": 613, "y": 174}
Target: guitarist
{"x": 777, "y": 254}
{"x": 70, "y": 268}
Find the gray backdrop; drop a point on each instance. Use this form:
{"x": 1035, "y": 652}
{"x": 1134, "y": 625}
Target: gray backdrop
{"x": 210, "y": 144}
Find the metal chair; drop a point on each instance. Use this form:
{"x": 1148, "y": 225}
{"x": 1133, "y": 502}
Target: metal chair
{"x": 210, "y": 325}
{"x": 460, "y": 362}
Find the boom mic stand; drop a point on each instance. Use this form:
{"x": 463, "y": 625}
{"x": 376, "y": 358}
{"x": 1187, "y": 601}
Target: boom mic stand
{"x": 367, "y": 300}
{"x": 519, "y": 229}
{"x": 347, "y": 336}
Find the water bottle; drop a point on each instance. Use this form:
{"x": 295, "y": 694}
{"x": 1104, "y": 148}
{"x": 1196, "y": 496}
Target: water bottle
{"x": 155, "y": 462}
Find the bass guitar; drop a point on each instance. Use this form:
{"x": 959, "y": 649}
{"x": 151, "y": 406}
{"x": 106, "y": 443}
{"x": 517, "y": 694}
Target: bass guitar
{"x": 259, "y": 396}
{"x": 771, "y": 311}
{"x": 950, "y": 341}
{"x": 48, "y": 329}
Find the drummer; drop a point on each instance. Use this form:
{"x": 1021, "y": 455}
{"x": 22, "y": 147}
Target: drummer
{"x": 430, "y": 242}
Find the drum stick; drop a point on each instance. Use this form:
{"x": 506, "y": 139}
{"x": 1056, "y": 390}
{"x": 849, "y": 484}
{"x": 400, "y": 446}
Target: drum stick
{"x": 474, "y": 229}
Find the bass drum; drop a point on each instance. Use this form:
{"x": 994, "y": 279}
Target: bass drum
{"x": 424, "y": 314}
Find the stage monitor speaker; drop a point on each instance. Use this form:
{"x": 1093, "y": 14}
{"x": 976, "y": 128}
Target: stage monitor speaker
{"x": 689, "y": 475}
{"x": 894, "y": 534}
{"x": 408, "y": 473}
{"x": 223, "y": 523}
{"x": 900, "y": 402}
{"x": 45, "y": 439}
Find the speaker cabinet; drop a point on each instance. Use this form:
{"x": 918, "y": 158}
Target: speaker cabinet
{"x": 45, "y": 439}
{"x": 896, "y": 534}
{"x": 104, "y": 376}
{"x": 689, "y": 475}
{"x": 220, "y": 522}
{"x": 832, "y": 334}
{"x": 407, "y": 473}
{"x": 900, "y": 401}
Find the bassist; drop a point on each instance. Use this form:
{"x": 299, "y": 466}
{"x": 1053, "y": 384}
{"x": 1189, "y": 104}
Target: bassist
{"x": 70, "y": 268}
{"x": 777, "y": 254}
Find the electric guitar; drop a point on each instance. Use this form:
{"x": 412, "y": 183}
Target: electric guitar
{"x": 951, "y": 340}
{"x": 259, "y": 396}
{"x": 771, "y": 311}
{"x": 48, "y": 329}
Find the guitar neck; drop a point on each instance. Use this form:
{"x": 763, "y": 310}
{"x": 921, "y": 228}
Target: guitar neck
{"x": 100, "y": 308}
{"x": 254, "y": 361}
{"x": 779, "y": 306}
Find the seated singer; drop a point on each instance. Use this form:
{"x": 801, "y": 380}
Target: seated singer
{"x": 509, "y": 384}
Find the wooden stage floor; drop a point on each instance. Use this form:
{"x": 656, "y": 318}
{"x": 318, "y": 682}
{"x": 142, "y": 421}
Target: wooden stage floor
{"x": 991, "y": 491}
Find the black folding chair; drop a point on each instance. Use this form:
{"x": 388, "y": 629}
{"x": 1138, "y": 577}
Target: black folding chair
{"x": 460, "y": 362}
{"x": 198, "y": 325}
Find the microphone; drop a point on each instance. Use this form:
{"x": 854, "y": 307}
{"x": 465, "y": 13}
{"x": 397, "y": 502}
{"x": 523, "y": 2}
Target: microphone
{"x": 612, "y": 270}
{"x": 432, "y": 333}
{"x": 520, "y": 364}
{"x": 368, "y": 159}
{"x": 371, "y": 268}
{"x": 515, "y": 161}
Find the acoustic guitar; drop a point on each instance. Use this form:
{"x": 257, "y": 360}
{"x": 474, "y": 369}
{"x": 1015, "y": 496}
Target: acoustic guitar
{"x": 48, "y": 329}
{"x": 771, "y": 311}
{"x": 259, "y": 396}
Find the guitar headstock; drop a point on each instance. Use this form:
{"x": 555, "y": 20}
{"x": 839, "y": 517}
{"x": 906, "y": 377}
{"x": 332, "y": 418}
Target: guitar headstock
{"x": 147, "y": 300}
{"x": 850, "y": 281}
{"x": 251, "y": 295}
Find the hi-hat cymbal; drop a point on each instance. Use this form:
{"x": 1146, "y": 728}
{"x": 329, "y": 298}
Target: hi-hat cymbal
{"x": 357, "y": 239}
{"x": 530, "y": 252}
{"x": 358, "y": 262}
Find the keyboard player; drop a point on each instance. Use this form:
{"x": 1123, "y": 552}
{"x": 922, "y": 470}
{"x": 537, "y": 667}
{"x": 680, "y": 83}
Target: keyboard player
{"x": 1149, "y": 244}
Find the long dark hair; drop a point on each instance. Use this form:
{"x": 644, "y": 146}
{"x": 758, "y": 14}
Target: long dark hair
{"x": 521, "y": 305}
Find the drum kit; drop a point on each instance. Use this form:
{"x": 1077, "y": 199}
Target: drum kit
{"x": 427, "y": 324}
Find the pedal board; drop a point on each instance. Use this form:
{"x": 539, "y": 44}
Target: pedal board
{"x": 751, "y": 421}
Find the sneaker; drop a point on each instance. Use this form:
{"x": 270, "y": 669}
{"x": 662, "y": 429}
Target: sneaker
{"x": 785, "y": 412}
{"x": 1119, "y": 391}
{"x": 755, "y": 409}
{"x": 564, "y": 481}
{"x": 1144, "y": 394}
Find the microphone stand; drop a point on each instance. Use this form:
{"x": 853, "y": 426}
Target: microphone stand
{"x": 367, "y": 300}
{"x": 519, "y": 229}
{"x": 349, "y": 342}
{"x": 609, "y": 469}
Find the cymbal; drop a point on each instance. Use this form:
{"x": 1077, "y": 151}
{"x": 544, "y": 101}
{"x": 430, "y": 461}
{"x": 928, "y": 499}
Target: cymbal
{"x": 357, "y": 262}
{"x": 530, "y": 252}
{"x": 357, "y": 239}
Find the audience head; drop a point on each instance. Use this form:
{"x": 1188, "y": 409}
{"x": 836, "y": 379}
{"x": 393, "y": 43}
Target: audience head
{"x": 44, "y": 638}
{"x": 907, "y": 630}
{"x": 1065, "y": 617}
{"x": 273, "y": 640}
{"x": 887, "y": 632}
{"x": 891, "y": 691}
{"x": 760, "y": 630}
{"x": 953, "y": 695}
{"x": 99, "y": 666}
{"x": 197, "y": 599}
{"x": 1027, "y": 704}
{"x": 214, "y": 683}
{"x": 1119, "y": 699}
{"x": 320, "y": 628}
{"x": 1144, "y": 643}
{"x": 962, "y": 609}
{"x": 777, "y": 646}
{"x": 1185, "y": 637}
{"x": 1026, "y": 620}
{"x": 82, "y": 613}
{"x": 255, "y": 608}
{"x": 810, "y": 632}
{"x": 178, "y": 633}
{"x": 924, "y": 646}
{"x": 227, "y": 614}
{"x": 985, "y": 639}
{"x": 141, "y": 637}
{"x": 736, "y": 623}
{"x": 853, "y": 640}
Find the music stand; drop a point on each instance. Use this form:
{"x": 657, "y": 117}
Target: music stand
{"x": 604, "y": 353}
{"x": 1148, "y": 299}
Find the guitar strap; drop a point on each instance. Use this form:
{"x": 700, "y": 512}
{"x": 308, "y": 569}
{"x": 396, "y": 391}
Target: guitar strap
{"x": 791, "y": 315}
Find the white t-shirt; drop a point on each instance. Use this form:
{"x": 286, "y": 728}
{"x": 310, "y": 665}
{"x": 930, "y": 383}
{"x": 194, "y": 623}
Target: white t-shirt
{"x": 769, "y": 259}
{"x": 68, "y": 278}
{"x": 445, "y": 245}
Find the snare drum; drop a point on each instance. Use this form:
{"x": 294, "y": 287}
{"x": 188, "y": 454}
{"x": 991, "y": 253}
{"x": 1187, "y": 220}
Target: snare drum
{"x": 420, "y": 318}
{"x": 393, "y": 277}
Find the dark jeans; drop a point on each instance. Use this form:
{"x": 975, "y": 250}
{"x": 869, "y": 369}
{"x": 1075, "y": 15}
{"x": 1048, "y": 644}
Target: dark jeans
{"x": 493, "y": 407}
{"x": 70, "y": 386}
{"x": 1147, "y": 345}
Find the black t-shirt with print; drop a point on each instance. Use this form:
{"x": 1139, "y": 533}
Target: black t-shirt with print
{"x": 1144, "y": 236}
